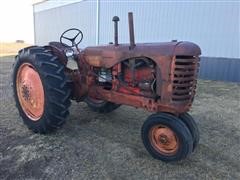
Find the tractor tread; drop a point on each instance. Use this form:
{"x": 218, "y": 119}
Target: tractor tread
{"x": 193, "y": 128}
{"x": 56, "y": 87}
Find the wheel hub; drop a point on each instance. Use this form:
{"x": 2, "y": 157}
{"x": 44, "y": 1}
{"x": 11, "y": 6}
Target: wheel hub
{"x": 26, "y": 92}
{"x": 30, "y": 91}
{"x": 163, "y": 140}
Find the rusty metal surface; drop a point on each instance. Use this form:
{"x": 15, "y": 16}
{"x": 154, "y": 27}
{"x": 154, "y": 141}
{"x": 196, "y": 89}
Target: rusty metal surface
{"x": 163, "y": 139}
{"x": 138, "y": 101}
{"x": 131, "y": 30}
{"x": 176, "y": 72}
{"x": 184, "y": 79}
{"x": 30, "y": 91}
{"x": 109, "y": 55}
{"x": 166, "y": 80}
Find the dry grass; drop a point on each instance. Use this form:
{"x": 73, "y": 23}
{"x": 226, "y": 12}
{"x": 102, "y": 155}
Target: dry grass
{"x": 7, "y": 49}
{"x": 108, "y": 146}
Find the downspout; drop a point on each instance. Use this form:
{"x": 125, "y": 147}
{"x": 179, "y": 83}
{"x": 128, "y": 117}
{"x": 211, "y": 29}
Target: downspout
{"x": 97, "y": 22}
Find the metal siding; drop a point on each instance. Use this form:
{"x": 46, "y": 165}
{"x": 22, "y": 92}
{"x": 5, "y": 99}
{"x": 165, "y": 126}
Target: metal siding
{"x": 51, "y": 23}
{"x": 220, "y": 69}
{"x": 212, "y": 25}
{"x": 50, "y": 4}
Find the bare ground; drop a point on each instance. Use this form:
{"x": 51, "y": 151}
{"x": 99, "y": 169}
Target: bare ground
{"x": 96, "y": 146}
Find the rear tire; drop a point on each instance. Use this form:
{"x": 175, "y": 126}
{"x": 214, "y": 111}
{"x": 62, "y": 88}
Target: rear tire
{"x": 101, "y": 106}
{"x": 56, "y": 91}
{"x": 166, "y": 137}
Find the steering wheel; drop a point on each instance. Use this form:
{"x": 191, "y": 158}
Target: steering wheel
{"x": 73, "y": 35}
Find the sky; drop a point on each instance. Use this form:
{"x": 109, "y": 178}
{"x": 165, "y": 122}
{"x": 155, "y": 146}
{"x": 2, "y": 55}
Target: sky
{"x": 16, "y": 21}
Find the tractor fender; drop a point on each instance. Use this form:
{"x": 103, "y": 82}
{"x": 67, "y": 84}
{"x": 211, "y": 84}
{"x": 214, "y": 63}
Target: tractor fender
{"x": 59, "y": 49}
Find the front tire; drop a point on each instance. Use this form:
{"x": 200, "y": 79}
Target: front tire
{"x": 192, "y": 126}
{"x": 100, "y": 106}
{"x": 40, "y": 88}
{"x": 166, "y": 137}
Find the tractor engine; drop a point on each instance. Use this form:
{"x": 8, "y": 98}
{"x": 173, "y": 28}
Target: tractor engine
{"x": 132, "y": 76}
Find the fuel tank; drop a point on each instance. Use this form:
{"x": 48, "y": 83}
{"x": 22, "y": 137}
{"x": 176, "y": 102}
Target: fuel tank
{"x": 108, "y": 55}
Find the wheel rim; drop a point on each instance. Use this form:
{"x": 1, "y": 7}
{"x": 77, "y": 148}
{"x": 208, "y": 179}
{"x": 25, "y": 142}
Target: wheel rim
{"x": 163, "y": 140}
{"x": 30, "y": 91}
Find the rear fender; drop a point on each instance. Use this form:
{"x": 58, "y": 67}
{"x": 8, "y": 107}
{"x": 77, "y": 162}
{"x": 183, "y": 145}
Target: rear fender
{"x": 59, "y": 50}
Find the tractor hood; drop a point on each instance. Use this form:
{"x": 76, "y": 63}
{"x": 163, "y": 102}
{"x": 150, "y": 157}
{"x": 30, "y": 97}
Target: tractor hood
{"x": 109, "y": 55}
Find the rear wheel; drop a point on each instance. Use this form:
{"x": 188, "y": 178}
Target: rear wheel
{"x": 101, "y": 106}
{"x": 166, "y": 137}
{"x": 41, "y": 91}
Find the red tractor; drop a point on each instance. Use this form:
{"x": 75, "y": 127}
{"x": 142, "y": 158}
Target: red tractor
{"x": 158, "y": 77}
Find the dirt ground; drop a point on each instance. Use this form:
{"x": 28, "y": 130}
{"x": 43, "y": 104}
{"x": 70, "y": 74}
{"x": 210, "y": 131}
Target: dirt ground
{"x": 96, "y": 146}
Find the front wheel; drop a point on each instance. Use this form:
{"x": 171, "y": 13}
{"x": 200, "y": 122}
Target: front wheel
{"x": 192, "y": 126}
{"x": 166, "y": 137}
{"x": 101, "y": 106}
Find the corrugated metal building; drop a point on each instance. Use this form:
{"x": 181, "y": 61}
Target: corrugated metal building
{"x": 213, "y": 25}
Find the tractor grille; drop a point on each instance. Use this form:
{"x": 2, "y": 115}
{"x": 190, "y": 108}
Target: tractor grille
{"x": 185, "y": 78}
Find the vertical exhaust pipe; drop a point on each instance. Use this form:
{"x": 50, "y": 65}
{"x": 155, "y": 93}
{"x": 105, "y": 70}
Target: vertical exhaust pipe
{"x": 131, "y": 30}
{"x": 115, "y": 20}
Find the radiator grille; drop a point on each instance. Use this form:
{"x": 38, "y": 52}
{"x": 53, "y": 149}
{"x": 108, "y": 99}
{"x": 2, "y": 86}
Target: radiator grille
{"x": 185, "y": 78}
